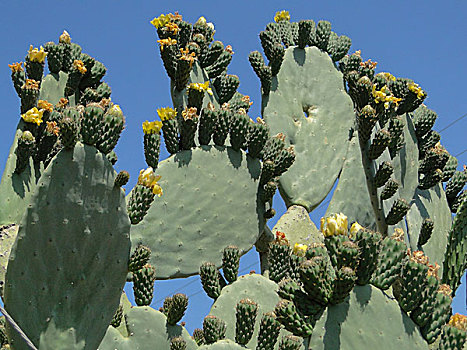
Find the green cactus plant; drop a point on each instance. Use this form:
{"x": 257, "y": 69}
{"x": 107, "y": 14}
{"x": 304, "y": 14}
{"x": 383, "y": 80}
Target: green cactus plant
{"x": 328, "y": 116}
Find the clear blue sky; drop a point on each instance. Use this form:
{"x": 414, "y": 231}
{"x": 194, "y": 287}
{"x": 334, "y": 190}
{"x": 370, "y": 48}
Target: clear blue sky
{"x": 421, "y": 40}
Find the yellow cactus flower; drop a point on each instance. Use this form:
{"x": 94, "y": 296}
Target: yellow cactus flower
{"x": 282, "y": 16}
{"x": 161, "y": 21}
{"x": 149, "y": 179}
{"x": 201, "y": 87}
{"x": 152, "y": 127}
{"x": 459, "y": 321}
{"x": 189, "y": 113}
{"x": 387, "y": 76}
{"x": 354, "y": 229}
{"x": 201, "y": 21}
{"x": 36, "y": 55}
{"x": 79, "y": 66}
{"x": 166, "y": 42}
{"x": 65, "y": 38}
{"x": 417, "y": 90}
{"x": 45, "y": 105}
{"x": 115, "y": 111}
{"x": 335, "y": 224}
{"x": 166, "y": 113}
{"x": 300, "y": 249}
{"x": 16, "y": 67}
{"x": 33, "y": 116}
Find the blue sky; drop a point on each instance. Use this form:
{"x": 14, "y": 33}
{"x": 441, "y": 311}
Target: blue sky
{"x": 421, "y": 40}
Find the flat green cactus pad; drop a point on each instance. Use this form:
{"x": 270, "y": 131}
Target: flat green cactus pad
{"x": 255, "y": 287}
{"x": 225, "y": 344}
{"x": 209, "y": 202}
{"x": 7, "y": 239}
{"x": 148, "y": 329}
{"x": 16, "y": 188}
{"x": 431, "y": 204}
{"x": 54, "y": 338}
{"x": 53, "y": 87}
{"x": 351, "y": 194}
{"x": 76, "y": 220}
{"x": 368, "y": 317}
{"x": 298, "y": 227}
{"x": 308, "y": 103}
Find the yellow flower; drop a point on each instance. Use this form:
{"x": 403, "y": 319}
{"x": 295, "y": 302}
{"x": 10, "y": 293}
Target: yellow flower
{"x": 45, "y": 105}
{"x": 161, "y": 21}
{"x": 65, "y": 38}
{"x": 166, "y": 42}
{"x": 201, "y": 21}
{"x": 149, "y": 179}
{"x": 335, "y": 224}
{"x": 459, "y": 321}
{"x": 79, "y": 65}
{"x": 33, "y": 116}
{"x": 355, "y": 228}
{"x": 152, "y": 127}
{"x": 166, "y": 113}
{"x": 300, "y": 249}
{"x": 201, "y": 87}
{"x": 16, "y": 67}
{"x": 36, "y": 55}
{"x": 282, "y": 16}
{"x": 417, "y": 90}
{"x": 115, "y": 111}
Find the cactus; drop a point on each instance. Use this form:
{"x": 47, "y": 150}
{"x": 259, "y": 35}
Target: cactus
{"x": 387, "y": 244}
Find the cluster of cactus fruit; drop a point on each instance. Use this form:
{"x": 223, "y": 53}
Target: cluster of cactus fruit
{"x": 67, "y": 227}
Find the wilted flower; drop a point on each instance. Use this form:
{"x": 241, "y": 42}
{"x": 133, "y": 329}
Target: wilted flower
{"x": 79, "y": 65}
{"x": 65, "y": 38}
{"x": 45, "y": 105}
{"x": 16, "y": 67}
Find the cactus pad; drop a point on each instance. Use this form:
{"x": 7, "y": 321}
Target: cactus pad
{"x": 192, "y": 222}
{"x": 148, "y": 329}
{"x": 431, "y": 204}
{"x": 369, "y": 317}
{"x": 298, "y": 227}
{"x": 309, "y": 83}
{"x": 76, "y": 219}
{"x": 254, "y": 287}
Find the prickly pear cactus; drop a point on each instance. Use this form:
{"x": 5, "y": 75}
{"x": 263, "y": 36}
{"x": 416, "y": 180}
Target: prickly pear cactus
{"x": 381, "y": 270}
